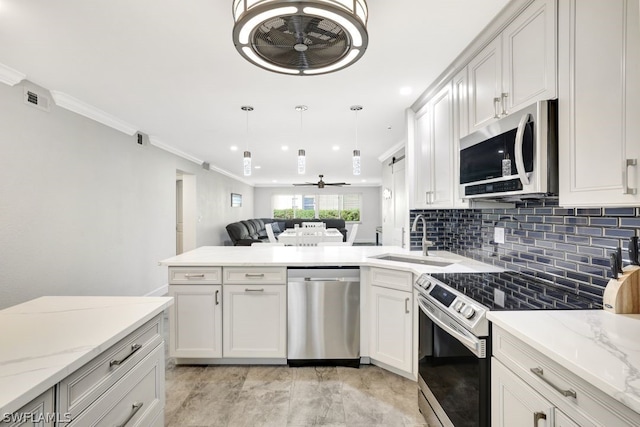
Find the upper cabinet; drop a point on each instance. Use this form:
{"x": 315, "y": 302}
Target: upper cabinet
{"x": 517, "y": 68}
{"x": 599, "y": 102}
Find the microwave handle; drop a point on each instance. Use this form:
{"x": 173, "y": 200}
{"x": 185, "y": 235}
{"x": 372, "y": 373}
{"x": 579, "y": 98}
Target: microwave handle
{"x": 522, "y": 173}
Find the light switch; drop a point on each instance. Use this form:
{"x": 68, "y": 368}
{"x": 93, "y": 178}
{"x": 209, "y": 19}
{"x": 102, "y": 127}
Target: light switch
{"x": 498, "y": 297}
{"x": 498, "y": 235}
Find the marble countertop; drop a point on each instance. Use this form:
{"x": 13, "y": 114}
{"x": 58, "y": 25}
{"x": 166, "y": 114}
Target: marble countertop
{"x": 48, "y": 338}
{"x": 600, "y": 347}
{"x": 294, "y": 256}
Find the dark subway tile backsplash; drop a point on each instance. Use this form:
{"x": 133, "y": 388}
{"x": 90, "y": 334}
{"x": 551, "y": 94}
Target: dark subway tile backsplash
{"x": 569, "y": 245}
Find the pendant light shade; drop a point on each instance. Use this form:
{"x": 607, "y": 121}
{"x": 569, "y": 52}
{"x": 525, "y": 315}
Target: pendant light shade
{"x": 302, "y": 162}
{"x": 302, "y": 159}
{"x": 356, "y": 153}
{"x": 300, "y": 38}
{"x": 246, "y": 160}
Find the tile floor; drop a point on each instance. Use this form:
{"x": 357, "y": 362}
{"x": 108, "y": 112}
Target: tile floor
{"x": 283, "y": 396}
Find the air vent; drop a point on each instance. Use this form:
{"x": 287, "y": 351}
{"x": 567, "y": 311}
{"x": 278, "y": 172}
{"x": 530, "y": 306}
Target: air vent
{"x": 36, "y": 99}
{"x": 205, "y": 166}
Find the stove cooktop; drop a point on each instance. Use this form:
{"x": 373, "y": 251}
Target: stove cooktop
{"x": 521, "y": 291}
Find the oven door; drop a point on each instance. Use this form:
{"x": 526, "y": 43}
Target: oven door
{"x": 453, "y": 370}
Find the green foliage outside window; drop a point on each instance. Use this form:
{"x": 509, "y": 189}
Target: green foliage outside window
{"x": 347, "y": 214}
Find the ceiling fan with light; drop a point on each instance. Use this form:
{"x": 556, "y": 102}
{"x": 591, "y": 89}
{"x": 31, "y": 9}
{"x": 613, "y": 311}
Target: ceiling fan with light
{"x": 321, "y": 183}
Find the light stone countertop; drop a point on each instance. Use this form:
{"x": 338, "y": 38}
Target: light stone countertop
{"x": 293, "y": 256}
{"x": 46, "y": 339}
{"x": 600, "y": 347}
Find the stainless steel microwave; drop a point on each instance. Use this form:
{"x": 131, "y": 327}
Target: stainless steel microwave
{"x": 513, "y": 158}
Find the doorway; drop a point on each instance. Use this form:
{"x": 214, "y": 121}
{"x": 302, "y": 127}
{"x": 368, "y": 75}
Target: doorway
{"x": 186, "y": 208}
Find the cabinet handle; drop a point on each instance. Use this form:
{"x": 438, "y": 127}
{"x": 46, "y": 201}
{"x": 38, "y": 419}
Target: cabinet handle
{"x": 254, "y": 290}
{"x": 406, "y": 305}
{"x": 217, "y": 300}
{"x": 134, "y": 410}
{"x": 504, "y": 103}
{"x": 537, "y": 416}
{"x": 496, "y": 101}
{"x": 134, "y": 348}
{"x": 625, "y": 176}
{"x": 190, "y": 276}
{"x": 254, "y": 275}
{"x": 566, "y": 393}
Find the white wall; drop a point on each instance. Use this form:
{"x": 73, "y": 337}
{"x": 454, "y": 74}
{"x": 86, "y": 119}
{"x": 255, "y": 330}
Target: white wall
{"x": 85, "y": 210}
{"x": 370, "y": 216}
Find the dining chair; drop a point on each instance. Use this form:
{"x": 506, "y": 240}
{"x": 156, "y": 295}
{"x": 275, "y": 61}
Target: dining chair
{"x": 308, "y": 236}
{"x": 272, "y": 236}
{"x": 352, "y": 234}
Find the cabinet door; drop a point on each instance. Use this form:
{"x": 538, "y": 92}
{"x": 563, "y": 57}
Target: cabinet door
{"x": 442, "y": 142}
{"x": 562, "y": 420}
{"x": 422, "y": 158}
{"x": 598, "y": 103}
{"x": 255, "y": 321}
{"x": 513, "y": 402}
{"x": 529, "y": 57}
{"x": 485, "y": 85}
{"x": 391, "y": 328}
{"x": 195, "y": 321}
{"x": 39, "y": 412}
{"x": 460, "y": 102}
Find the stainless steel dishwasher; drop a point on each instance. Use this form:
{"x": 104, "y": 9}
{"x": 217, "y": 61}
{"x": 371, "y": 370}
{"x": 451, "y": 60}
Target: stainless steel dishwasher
{"x": 323, "y": 306}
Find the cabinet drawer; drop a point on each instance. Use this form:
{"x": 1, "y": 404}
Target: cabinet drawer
{"x": 248, "y": 275}
{"x": 81, "y": 388}
{"x": 193, "y": 275}
{"x": 589, "y": 403}
{"x": 394, "y": 279}
{"x": 40, "y": 408}
{"x": 135, "y": 400}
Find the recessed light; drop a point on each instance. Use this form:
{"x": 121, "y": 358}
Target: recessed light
{"x": 257, "y": 167}
{"x": 335, "y": 147}
{"x": 406, "y": 90}
{"x": 284, "y": 148}
{"x": 233, "y": 148}
{"x": 364, "y": 180}
{"x": 275, "y": 180}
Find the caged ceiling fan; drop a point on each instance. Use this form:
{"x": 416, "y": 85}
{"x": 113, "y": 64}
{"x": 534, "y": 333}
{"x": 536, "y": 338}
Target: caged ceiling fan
{"x": 321, "y": 183}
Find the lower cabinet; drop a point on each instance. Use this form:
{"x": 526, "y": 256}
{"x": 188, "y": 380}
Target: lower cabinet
{"x": 195, "y": 319}
{"x": 514, "y": 403}
{"x": 391, "y": 328}
{"x": 528, "y": 388}
{"x": 39, "y": 412}
{"x": 255, "y": 321}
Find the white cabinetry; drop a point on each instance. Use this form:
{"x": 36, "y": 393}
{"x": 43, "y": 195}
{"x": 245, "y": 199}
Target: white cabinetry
{"x": 517, "y": 68}
{"x": 527, "y": 385}
{"x": 599, "y": 103}
{"x": 195, "y": 318}
{"x": 434, "y": 165}
{"x": 39, "y": 409}
{"x": 391, "y": 320}
{"x": 255, "y": 321}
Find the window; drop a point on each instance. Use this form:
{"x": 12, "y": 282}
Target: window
{"x": 324, "y": 206}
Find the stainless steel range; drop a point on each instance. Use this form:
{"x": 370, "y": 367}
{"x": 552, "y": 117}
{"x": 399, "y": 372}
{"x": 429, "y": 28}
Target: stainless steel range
{"x": 454, "y": 336}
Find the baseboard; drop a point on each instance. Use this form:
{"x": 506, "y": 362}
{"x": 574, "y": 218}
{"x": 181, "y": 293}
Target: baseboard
{"x": 159, "y": 292}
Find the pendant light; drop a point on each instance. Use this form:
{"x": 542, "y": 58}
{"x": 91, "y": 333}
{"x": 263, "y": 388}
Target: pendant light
{"x": 246, "y": 161}
{"x": 356, "y": 151}
{"x": 302, "y": 160}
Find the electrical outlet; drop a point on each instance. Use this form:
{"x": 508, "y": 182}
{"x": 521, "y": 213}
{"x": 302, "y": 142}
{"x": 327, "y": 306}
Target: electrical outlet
{"x": 498, "y": 297}
{"x": 498, "y": 235}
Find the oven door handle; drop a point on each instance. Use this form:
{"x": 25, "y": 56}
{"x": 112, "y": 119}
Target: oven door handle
{"x": 472, "y": 344}
{"x": 519, "y": 143}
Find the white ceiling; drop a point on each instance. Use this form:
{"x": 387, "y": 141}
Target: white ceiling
{"x": 169, "y": 68}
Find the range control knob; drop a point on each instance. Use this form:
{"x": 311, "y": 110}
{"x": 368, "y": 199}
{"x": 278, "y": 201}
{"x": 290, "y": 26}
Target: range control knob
{"x": 426, "y": 284}
{"x": 468, "y": 312}
{"x": 458, "y": 306}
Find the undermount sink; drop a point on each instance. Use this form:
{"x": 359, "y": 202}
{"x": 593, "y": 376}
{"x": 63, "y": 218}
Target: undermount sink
{"x": 438, "y": 262}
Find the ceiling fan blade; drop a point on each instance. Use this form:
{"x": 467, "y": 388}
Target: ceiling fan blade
{"x": 336, "y": 183}
{"x": 305, "y": 184}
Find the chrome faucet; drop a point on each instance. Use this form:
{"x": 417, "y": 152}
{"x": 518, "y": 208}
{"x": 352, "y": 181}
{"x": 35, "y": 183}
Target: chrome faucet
{"x": 425, "y": 243}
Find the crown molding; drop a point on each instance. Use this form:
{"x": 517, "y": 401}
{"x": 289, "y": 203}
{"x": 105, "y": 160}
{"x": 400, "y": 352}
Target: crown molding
{"x": 230, "y": 175}
{"x": 73, "y": 104}
{"x": 391, "y": 151}
{"x": 9, "y": 76}
{"x": 157, "y": 143}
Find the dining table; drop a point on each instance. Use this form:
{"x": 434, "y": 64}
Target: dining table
{"x": 288, "y": 236}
